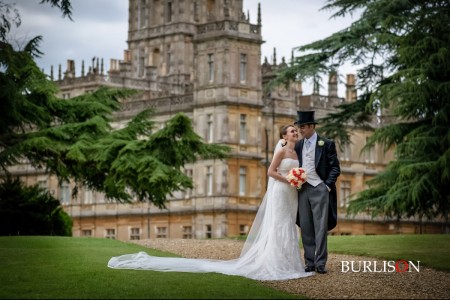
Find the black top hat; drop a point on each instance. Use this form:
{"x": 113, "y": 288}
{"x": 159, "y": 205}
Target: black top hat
{"x": 305, "y": 117}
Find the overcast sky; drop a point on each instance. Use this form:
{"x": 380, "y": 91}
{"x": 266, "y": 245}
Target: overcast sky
{"x": 99, "y": 28}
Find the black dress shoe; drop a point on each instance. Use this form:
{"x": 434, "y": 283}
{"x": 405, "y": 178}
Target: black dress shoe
{"x": 321, "y": 270}
{"x": 310, "y": 269}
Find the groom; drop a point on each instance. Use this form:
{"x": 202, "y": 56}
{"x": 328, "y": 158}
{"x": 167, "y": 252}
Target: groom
{"x": 317, "y": 201}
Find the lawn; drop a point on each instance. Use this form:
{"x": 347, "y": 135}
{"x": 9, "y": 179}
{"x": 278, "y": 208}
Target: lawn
{"x": 65, "y": 267}
{"x": 76, "y": 268}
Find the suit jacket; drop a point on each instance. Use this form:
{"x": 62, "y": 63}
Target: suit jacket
{"x": 328, "y": 169}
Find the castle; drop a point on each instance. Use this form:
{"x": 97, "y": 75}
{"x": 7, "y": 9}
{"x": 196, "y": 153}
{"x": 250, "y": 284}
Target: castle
{"x": 203, "y": 58}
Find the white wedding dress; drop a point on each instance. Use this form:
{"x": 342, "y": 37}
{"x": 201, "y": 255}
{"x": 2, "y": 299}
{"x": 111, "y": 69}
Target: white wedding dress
{"x": 271, "y": 251}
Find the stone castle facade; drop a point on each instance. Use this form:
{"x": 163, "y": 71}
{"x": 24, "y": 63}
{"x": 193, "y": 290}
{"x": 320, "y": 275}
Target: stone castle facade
{"x": 203, "y": 58}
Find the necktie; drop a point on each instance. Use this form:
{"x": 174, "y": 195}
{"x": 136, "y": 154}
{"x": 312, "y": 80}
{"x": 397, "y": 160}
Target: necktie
{"x": 308, "y": 143}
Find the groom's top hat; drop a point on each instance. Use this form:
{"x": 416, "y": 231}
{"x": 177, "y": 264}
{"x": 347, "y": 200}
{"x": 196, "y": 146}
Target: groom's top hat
{"x": 305, "y": 117}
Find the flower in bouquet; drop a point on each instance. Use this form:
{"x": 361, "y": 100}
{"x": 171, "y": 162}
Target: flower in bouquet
{"x": 297, "y": 177}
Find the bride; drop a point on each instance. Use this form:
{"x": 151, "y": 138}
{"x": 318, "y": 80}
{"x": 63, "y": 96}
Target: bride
{"x": 271, "y": 250}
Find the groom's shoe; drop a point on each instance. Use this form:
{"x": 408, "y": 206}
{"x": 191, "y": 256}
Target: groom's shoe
{"x": 321, "y": 270}
{"x": 310, "y": 269}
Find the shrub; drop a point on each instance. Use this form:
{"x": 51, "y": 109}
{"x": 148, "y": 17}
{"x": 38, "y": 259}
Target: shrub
{"x": 30, "y": 210}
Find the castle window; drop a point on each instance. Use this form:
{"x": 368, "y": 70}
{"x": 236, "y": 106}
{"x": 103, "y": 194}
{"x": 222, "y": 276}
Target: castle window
{"x": 187, "y": 232}
{"x": 346, "y": 152}
{"x": 86, "y": 232}
{"x": 208, "y": 231}
{"x": 243, "y": 68}
{"x": 110, "y": 234}
{"x": 209, "y": 180}
{"x": 43, "y": 184}
{"x": 242, "y": 181}
{"x": 65, "y": 193}
{"x": 369, "y": 153}
{"x": 243, "y": 229}
{"x": 135, "y": 234}
{"x": 169, "y": 12}
{"x": 195, "y": 9}
{"x": 161, "y": 232}
{"x": 155, "y": 58}
{"x": 188, "y": 192}
{"x": 243, "y": 129}
{"x": 211, "y": 67}
{"x": 142, "y": 21}
{"x": 210, "y": 128}
{"x": 345, "y": 193}
{"x": 141, "y": 64}
{"x": 210, "y": 9}
{"x": 155, "y": 11}
{"x": 169, "y": 59}
{"x": 88, "y": 196}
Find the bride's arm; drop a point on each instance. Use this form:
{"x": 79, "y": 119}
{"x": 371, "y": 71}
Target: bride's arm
{"x": 276, "y": 160}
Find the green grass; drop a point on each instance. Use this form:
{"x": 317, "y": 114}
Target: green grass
{"x": 432, "y": 250}
{"x": 76, "y": 268}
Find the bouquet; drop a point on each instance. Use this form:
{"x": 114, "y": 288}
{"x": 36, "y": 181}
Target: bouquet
{"x": 297, "y": 177}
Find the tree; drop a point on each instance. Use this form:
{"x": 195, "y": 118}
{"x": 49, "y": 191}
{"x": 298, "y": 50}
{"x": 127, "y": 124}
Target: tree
{"x": 30, "y": 210}
{"x": 404, "y": 48}
{"x": 73, "y": 139}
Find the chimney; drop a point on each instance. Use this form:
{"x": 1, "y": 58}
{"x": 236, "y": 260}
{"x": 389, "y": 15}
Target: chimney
{"x": 70, "y": 71}
{"x": 332, "y": 85}
{"x": 350, "y": 93}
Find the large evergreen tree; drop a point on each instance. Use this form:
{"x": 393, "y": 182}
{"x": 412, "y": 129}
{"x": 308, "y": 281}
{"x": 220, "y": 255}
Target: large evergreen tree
{"x": 404, "y": 48}
{"x": 73, "y": 138}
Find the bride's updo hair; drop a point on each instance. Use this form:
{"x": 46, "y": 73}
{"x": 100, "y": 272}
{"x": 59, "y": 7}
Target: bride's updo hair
{"x": 283, "y": 131}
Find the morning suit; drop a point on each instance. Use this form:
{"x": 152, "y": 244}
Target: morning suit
{"x": 317, "y": 209}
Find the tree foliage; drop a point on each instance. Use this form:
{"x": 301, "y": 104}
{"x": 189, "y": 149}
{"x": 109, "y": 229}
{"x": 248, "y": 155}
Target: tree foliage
{"x": 73, "y": 138}
{"x": 30, "y": 210}
{"x": 404, "y": 48}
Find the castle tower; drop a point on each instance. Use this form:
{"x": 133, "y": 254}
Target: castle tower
{"x": 227, "y": 108}
{"x": 202, "y": 58}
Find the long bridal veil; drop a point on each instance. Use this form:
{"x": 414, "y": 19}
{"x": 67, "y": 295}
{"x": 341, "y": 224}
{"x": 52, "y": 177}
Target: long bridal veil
{"x": 254, "y": 234}
{"x": 270, "y": 252}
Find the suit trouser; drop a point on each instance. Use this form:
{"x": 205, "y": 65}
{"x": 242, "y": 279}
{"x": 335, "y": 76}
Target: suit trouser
{"x": 313, "y": 214}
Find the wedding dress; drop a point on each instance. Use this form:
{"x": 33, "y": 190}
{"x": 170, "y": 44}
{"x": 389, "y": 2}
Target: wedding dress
{"x": 270, "y": 252}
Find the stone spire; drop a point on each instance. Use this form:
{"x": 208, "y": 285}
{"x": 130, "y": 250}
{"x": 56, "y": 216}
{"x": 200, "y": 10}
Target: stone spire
{"x": 274, "y": 56}
{"x": 259, "y": 14}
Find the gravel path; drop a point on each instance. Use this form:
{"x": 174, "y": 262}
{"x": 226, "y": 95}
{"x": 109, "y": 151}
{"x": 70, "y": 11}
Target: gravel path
{"x": 427, "y": 284}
